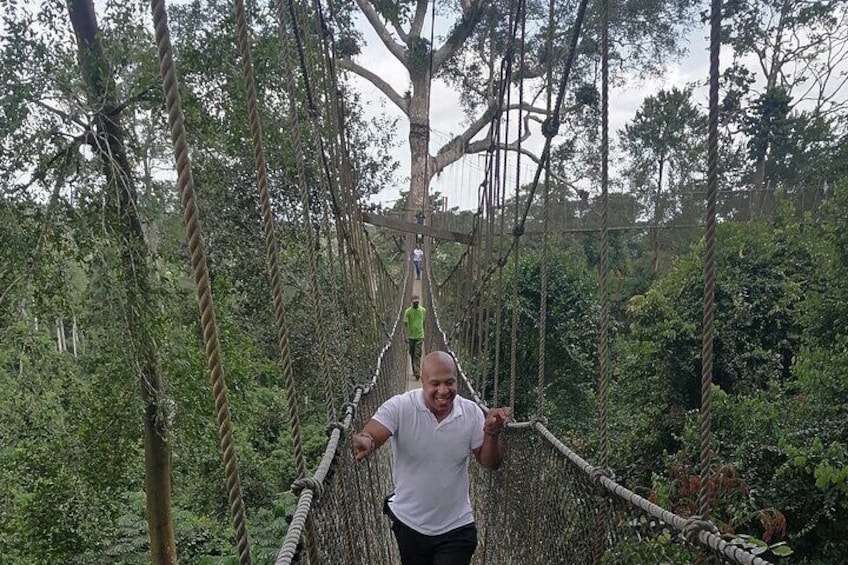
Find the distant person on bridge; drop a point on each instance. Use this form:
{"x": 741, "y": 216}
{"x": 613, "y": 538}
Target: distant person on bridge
{"x": 433, "y": 433}
{"x": 413, "y": 322}
{"x": 418, "y": 260}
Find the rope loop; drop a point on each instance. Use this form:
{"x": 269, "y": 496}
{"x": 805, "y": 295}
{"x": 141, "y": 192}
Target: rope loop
{"x": 336, "y": 426}
{"x": 538, "y": 419}
{"x": 550, "y": 127}
{"x": 518, "y": 230}
{"x": 694, "y": 526}
{"x": 350, "y": 405}
{"x": 599, "y": 472}
{"x": 316, "y": 486}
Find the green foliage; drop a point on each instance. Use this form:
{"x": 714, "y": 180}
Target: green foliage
{"x": 780, "y": 368}
{"x": 571, "y": 328}
{"x": 663, "y": 548}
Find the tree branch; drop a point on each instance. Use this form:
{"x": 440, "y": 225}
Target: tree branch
{"x": 418, "y": 21}
{"x": 472, "y": 10}
{"x": 454, "y": 149}
{"x": 371, "y": 77}
{"x": 382, "y": 31}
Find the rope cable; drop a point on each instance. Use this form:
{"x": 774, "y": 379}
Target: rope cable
{"x": 550, "y": 128}
{"x": 705, "y": 494}
{"x": 603, "y": 266}
{"x": 543, "y": 290}
{"x": 513, "y": 366}
{"x": 200, "y": 269}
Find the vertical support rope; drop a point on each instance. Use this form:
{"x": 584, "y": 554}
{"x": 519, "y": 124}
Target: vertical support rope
{"x": 704, "y": 494}
{"x": 603, "y": 346}
{"x": 315, "y": 290}
{"x": 200, "y": 269}
{"x": 513, "y": 368}
{"x": 543, "y": 286}
{"x": 272, "y": 255}
{"x": 603, "y": 349}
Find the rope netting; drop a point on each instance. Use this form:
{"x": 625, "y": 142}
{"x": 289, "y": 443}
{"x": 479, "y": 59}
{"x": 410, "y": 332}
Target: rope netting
{"x": 544, "y": 491}
{"x": 344, "y": 497}
{"x": 545, "y": 504}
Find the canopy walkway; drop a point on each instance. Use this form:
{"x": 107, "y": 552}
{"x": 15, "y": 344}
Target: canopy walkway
{"x": 546, "y": 504}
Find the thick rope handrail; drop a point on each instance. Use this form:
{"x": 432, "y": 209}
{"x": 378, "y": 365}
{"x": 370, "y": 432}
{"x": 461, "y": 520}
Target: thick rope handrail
{"x": 704, "y": 495}
{"x": 694, "y": 528}
{"x": 185, "y": 182}
{"x": 308, "y": 494}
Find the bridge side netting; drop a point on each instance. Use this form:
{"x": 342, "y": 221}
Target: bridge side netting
{"x": 545, "y": 504}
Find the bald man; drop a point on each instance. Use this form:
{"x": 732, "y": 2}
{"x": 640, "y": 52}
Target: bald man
{"x": 433, "y": 432}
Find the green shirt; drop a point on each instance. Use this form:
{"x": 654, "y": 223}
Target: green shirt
{"x": 413, "y": 319}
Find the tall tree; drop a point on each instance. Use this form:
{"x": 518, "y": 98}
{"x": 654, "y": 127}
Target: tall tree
{"x": 107, "y": 140}
{"x": 665, "y": 143}
{"x": 470, "y": 56}
{"x": 799, "y": 48}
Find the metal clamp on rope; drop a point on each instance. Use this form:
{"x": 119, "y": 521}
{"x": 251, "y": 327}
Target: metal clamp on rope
{"x": 550, "y": 127}
{"x": 599, "y": 472}
{"x": 317, "y": 487}
{"x": 694, "y": 526}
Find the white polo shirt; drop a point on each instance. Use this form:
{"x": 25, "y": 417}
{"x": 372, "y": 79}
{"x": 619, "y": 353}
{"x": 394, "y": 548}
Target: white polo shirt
{"x": 431, "y": 461}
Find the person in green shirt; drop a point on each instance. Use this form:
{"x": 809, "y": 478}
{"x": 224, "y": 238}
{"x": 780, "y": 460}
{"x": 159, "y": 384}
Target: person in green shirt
{"x": 413, "y": 321}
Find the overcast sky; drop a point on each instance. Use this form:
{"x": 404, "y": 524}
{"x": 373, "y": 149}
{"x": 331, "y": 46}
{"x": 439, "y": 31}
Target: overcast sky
{"x": 459, "y": 181}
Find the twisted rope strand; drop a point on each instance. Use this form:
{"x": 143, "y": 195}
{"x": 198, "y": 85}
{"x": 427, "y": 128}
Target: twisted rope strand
{"x": 704, "y": 494}
{"x": 200, "y": 269}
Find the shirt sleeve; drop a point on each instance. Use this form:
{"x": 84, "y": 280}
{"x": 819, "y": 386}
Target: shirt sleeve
{"x": 388, "y": 413}
{"x": 477, "y": 427}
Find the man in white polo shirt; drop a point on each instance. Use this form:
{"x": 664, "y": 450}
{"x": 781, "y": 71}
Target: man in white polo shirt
{"x": 433, "y": 432}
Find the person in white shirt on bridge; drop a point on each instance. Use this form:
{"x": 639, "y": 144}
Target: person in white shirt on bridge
{"x": 433, "y": 432}
{"x": 418, "y": 260}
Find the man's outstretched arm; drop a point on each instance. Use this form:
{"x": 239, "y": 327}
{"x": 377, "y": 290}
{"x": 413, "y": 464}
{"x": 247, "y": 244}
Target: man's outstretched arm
{"x": 373, "y": 435}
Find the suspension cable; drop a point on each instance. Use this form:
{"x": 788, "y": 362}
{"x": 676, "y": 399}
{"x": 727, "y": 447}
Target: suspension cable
{"x": 200, "y": 269}
{"x": 705, "y": 494}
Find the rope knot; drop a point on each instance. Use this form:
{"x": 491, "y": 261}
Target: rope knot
{"x": 599, "y": 472}
{"x": 336, "y": 426}
{"x": 539, "y": 419}
{"x": 350, "y": 407}
{"x": 550, "y": 127}
{"x": 518, "y": 230}
{"x": 317, "y": 487}
{"x": 694, "y": 526}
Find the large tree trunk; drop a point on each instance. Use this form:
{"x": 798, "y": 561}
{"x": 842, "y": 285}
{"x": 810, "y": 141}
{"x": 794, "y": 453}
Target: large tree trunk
{"x": 139, "y": 310}
{"x": 421, "y": 166}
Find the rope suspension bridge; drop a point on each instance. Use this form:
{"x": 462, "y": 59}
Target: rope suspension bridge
{"x": 546, "y": 504}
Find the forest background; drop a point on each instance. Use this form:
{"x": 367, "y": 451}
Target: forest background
{"x": 86, "y": 317}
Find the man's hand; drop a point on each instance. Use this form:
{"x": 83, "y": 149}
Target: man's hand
{"x": 495, "y": 420}
{"x": 363, "y": 445}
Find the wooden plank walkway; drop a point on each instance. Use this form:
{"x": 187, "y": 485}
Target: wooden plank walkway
{"x": 411, "y": 383}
